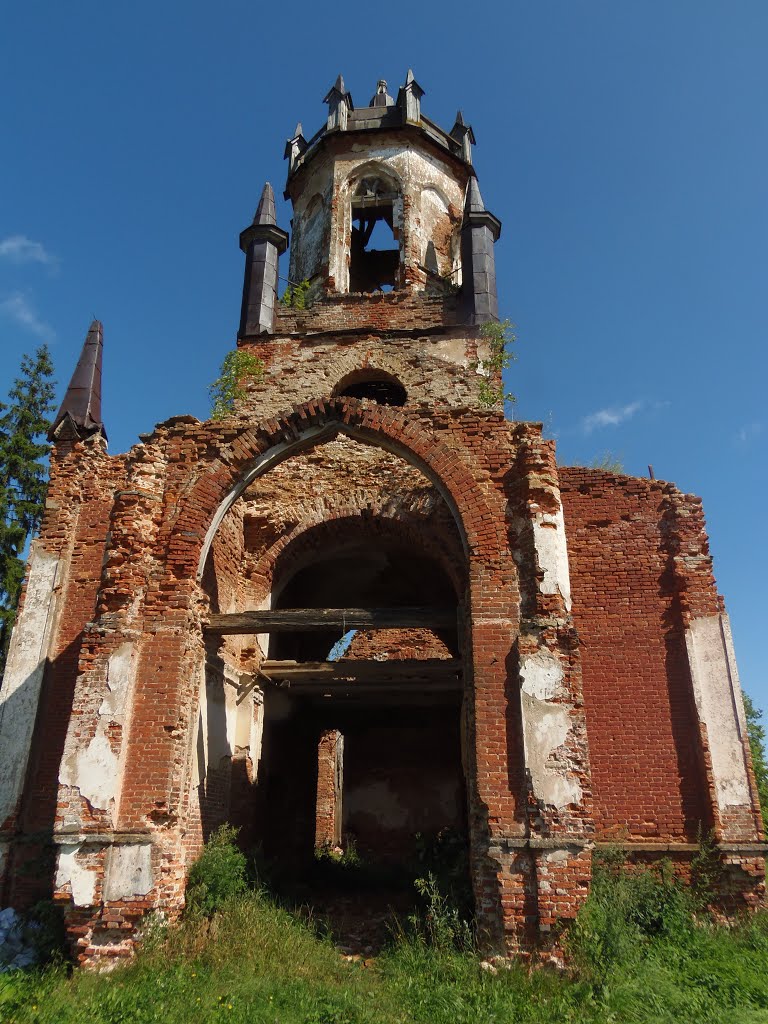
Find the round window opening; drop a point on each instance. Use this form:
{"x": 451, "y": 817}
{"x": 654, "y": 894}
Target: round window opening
{"x": 375, "y": 385}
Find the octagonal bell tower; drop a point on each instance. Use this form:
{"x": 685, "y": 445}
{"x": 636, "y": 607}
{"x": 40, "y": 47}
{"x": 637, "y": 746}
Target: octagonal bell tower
{"x": 383, "y": 200}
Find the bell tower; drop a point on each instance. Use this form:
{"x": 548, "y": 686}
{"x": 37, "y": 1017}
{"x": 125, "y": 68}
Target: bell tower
{"x": 379, "y": 195}
{"x": 390, "y": 239}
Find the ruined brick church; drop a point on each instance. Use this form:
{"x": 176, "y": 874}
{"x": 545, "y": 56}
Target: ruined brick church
{"x": 535, "y": 657}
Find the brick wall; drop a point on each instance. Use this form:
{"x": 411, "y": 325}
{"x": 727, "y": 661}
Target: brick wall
{"x": 647, "y": 770}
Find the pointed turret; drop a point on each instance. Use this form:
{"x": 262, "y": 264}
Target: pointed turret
{"x": 294, "y": 147}
{"x": 479, "y": 231}
{"x": 463, "y": 134}
{"x": 409, "y": 99}
{"x": 80, "y": 413}
{"x": 339, "y": 105}
{"x": 263, "y": 243}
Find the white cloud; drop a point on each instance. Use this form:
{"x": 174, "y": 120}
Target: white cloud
{"x": 610, "y": 417}
{"x": 17, "y": 308}
{"x": 20, "y": 249}
{"x": 749, "y": 432}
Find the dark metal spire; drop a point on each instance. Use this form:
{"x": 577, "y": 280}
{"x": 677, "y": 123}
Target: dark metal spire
{"x": 262, "y": 242}
{"x": 80, "y": 413}
{"x": 479, "y": 231}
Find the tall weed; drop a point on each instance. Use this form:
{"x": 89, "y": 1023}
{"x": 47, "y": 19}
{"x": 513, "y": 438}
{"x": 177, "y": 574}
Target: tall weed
{"x": 218, "y": 874}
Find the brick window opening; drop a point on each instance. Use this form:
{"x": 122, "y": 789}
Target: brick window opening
{"x": 373, "y": 384}
{"x": 374, "y": 262}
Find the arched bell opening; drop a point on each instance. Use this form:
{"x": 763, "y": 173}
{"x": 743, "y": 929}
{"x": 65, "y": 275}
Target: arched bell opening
{"x": 374, "y": 246}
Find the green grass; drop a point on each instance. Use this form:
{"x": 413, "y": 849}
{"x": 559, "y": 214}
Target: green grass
{"x": 639, "y": 957}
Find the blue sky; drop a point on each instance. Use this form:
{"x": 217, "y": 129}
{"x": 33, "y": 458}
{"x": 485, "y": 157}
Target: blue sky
{"x": 622, "y": 144}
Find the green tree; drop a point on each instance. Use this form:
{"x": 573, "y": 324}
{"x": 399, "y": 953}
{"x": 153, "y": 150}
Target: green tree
{"x": 756, "y": 734}
{"x": 24, "y": 422}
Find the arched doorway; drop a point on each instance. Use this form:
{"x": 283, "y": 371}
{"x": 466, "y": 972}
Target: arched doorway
{"x": 343, "y": 735}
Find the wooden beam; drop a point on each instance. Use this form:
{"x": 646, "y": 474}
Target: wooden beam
{"x": 320, "y": 673}
{"x": 284, "y": 620}
{"x": 413, "y": 691}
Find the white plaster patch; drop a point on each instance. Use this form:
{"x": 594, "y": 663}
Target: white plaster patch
{"x": 256, "y": 739}
{"x": 128, "y": 871}
{"x": 24, "y": 676}
{"x": 546, "y": 727}
{"x": 552, "y": 554}
{"x": 541, "y": 675}
{"x": 556, "y": 856}
{"x": 717, "y": 693}
{"x": 70, "y": 871}
{"x": 452, "y": 350}
{"x": 120, "y": 671}
{"x": 92, "y": 770}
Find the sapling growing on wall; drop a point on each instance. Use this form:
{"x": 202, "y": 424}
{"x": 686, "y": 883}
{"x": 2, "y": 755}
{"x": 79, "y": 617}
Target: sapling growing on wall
{"x": 756, "y": 734}
{"x": 500, "y": 337}
{"x": 238, "y": 369}
{"x": 295, "y": 295}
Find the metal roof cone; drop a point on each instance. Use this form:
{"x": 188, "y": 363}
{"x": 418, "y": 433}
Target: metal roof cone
{"x": 80, "y": 412}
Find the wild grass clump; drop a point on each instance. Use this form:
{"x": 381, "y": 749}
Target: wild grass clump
{"x": 651, "y": 954}
{"x": 642, "y": 950}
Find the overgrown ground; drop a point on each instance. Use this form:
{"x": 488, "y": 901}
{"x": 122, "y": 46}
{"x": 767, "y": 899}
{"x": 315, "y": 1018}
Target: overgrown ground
{"x": 640, "y": 951}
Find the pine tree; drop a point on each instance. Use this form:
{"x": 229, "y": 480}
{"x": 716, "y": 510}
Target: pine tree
{"x": 24, "y": 422}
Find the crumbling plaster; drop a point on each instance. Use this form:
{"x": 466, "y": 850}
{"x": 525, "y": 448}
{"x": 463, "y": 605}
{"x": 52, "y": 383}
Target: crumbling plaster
{"x": 547, "y": 723}
{"x": 552, "y": 553}
{"x": 23, "y": 677}
{"x": 128, "y": 871}
{"x": 94, "y": 769}
{"x": 79, "y": 876}
{"x": 436, "y": 370}
{"x": 717, "y": 693}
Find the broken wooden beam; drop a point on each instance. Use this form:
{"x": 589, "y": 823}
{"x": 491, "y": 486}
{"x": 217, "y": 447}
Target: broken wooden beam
{"x": 370, "y": 672}
{"x": 283, "y": 620}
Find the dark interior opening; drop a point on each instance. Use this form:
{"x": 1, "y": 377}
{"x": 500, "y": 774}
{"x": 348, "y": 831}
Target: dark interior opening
{"x": 360, "y": 577}
{"x": 374, "y": 261}
{"x": 377, "y": 386}
{"x": 400, "y": 797}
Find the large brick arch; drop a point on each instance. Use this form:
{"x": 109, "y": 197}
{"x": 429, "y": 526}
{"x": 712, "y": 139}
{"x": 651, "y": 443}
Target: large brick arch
{"x": 169, "y": 675}
{"x": 263, "y": 446}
